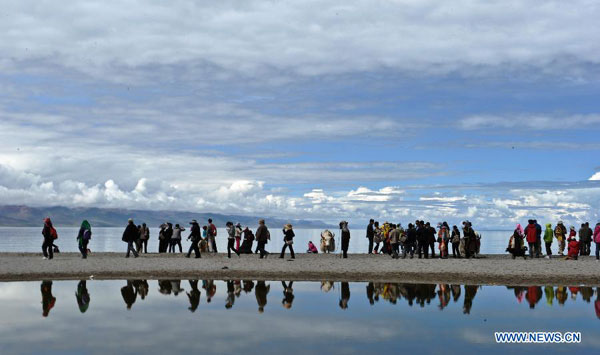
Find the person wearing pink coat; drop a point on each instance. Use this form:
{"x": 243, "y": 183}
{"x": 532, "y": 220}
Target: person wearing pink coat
{"x": 597, "y": 240}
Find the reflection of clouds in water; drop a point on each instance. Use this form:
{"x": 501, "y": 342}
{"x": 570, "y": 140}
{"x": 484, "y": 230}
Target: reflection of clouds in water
{"x": 163, "y": 323}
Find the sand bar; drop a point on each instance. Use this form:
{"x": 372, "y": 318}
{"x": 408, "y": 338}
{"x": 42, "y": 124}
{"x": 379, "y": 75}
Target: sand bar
{"x": 488, "y": 269}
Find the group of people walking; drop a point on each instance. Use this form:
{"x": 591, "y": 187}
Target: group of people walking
{"x": 533, "y": 234}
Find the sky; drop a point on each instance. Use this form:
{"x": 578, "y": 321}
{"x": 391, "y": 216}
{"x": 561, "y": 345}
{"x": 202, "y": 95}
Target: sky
{"x": 394, "y": 110}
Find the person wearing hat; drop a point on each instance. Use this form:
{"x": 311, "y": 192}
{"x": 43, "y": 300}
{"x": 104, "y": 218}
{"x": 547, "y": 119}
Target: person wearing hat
{"x": 288, "y": 240}
{"x": 262, "y": 237}
{"x": 560, "y": 233}
{"x": 130, "y": 235}
{"x": 195, "y": 237}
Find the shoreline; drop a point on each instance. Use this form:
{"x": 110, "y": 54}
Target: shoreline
{"x": 485, "y": 270}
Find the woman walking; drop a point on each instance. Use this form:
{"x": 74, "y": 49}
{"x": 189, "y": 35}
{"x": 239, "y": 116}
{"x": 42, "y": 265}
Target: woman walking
{"x": 231, "y": 239}
{"x": 83, "y": 238}
{"x": 49, "y": 234}
{"x": 288, "y": 240}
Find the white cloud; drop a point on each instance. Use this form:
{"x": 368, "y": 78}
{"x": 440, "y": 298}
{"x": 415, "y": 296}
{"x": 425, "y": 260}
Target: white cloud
{"x": 304, "y": 38}
{"x": 595, "y": 177}
{"x": 530, "y": 121}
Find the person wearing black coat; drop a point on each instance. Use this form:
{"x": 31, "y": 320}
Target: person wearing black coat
{"x": 246, "y": 247}
{"x": 431, "y": 238}
{"x": 195, "y": 237}
{"x": 288, "y": 240}
{"x": 370, "y": 235}
{"x": 411, "y": 240}
{"x": 130, "y": 235}
{"x": 345, "y": 238}
{"x": 422, "y": 242}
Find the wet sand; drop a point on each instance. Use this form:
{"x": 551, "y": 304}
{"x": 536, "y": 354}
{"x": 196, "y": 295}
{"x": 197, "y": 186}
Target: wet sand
{"x": 488, "y": 269}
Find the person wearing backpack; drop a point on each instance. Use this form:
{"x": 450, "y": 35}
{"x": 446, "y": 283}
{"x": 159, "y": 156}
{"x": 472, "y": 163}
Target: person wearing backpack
{"x": 49, "y": 234}
{"x": 130, "y": 235}
{"x": 262, "y": 237}
{"x": 83, "y": 238}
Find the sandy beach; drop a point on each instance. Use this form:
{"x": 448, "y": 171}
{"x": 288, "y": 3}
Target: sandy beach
{"x": 488, "y": 269}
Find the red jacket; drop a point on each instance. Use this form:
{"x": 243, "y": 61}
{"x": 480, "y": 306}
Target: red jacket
{"x": 531, "y": 233}
{"x": 573, "y": 248}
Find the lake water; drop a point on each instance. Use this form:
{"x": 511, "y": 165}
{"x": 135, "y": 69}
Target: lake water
{"x": 29, "y": 239}
{"x": 149, "y": 316}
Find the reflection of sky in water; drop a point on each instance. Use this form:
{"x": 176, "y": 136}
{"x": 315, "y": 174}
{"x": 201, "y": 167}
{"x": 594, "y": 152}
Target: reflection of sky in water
{"x": 315, "y": 323}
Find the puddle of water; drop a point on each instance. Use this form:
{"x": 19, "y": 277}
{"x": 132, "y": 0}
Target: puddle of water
{"x": 133, "y": 316}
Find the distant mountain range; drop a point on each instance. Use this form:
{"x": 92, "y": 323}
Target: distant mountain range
{"x": 24, "y": 216}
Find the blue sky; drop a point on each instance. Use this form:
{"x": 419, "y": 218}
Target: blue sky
{"x": 397, "y": 110}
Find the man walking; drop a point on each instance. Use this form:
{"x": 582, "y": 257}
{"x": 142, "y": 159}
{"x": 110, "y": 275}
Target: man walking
{"x": 262, "y": 236}
{"x": 130, "y": 235}
{"x": 195, "y": 238}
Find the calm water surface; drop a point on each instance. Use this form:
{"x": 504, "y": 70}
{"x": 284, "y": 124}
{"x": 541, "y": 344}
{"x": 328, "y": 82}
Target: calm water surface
{"x": 149, "y": 316}
{"x": 109, "y": 239}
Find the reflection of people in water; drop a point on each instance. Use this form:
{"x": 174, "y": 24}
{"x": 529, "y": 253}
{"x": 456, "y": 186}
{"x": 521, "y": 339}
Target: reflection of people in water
{"x": 82, "y": 296}
{"x": 549, "y": 292}
{"x": 129, "y": 294}
{"x": 408, "y": 291}
{"x": 176, "y": 287}
{"x": 533, "y": 295}
{"x": 210, "y": 288}
{"x": 597, "y": 302}
{"x": 455, "y": 292}
{"x": 230, "y": 294}
{"x": 470, "y": 292}
{"x": 443, "y": 295}
{"x": 561, "y": 295}
{"x": 48, "y": 300}
{"x": 587, "y": 293}
{"x": 238, "y": 288}
{"x": 574, "y": 291}
{"x": 288, "y": 295}
{"x": 193, "y": 295}
{"x": 326, "y": 286}
{"x": 261, "y": 290}
{"x": 248, "y": 286}
{"x": 425, "y": 293}
{"x": 345, "y": 295}
{"x": 164, "y": 287}
{"x": 141, "y": 288}
{"x": 370, "y": 290}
